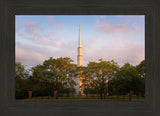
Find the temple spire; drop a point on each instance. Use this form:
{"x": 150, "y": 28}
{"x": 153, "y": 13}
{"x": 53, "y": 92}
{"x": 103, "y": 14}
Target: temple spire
{"x": 79, "y": 56}
{"x": 80, "y": 36}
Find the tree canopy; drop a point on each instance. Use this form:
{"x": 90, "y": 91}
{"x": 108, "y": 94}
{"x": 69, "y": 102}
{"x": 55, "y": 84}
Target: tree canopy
{"x": 96, "y": 75}
{"x": 59, "y": 74}
{"x": 127, "y": 79}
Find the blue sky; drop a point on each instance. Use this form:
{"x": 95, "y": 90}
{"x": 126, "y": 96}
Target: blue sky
{"x": 117, "y": 37}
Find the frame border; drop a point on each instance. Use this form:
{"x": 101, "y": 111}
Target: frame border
{"x": 11, "y": 8}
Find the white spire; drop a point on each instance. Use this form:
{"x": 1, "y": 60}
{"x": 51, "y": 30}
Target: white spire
{"x": 80, "y": 56}
{"x": 80, "y": 36}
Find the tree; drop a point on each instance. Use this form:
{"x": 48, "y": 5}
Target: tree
{"x": 141, "y": 68}
{"x": 56, "y": 73}
{"x": 127, "y": 79}
{"x": 21, "y": 81}
{"x": 141, "y": 71}
{"x": 20, "y": 71}
{"x": 95, "y": 75}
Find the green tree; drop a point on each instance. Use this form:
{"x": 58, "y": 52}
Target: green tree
{"x": 20, "y": 71}
{"x": 141, "y": 68}
{"x": 127, "y": 79}
{"x": 21, "y": 81}
{"x": 56, "y": 73}
{"x": 95, "y": 75}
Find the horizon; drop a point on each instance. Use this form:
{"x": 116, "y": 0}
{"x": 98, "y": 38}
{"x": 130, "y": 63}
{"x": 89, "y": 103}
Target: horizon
{"x": 112, "y": 37}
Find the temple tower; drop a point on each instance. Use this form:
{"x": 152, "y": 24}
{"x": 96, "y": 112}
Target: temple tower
{"x": 80, "y": 56}
{"x": 79, "y": 63}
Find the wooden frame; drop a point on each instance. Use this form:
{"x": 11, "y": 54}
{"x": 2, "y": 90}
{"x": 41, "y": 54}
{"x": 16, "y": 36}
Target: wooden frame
{"x": 10, "y": 107}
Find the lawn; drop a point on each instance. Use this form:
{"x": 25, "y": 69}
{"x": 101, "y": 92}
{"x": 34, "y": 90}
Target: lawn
{"x": 83, "y": 98}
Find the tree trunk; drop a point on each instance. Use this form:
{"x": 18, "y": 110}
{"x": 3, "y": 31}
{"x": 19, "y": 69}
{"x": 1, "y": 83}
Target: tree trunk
{"x": 130, "y": 95}
{"x": 105, "y": 95}
{"x": 100, "y": 95}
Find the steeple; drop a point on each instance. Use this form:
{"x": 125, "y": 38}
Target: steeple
{"x": 80, "y": 36}
{"x": 79, "y": 56}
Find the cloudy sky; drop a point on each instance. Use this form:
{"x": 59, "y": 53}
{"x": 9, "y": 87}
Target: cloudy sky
{"x": 117, "y": 37}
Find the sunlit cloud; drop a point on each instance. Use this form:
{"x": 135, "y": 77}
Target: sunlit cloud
{"x": 51, "y": 19}
{"x": 36, "y": 41}
{"x": 96, "y": 40}
{"x": 49, "y": 42}
{"x": 36, "y": 54}
{"x": 32, "y": 27}
{"x": 28, "y": 57}
{"x": 115, "y": 29}
{"x": 121, "y": 51}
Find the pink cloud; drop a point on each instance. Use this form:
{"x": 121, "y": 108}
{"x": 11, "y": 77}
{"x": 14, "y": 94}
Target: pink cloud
{"x": 51, "y": 19}
{"x": 121, "y": 51}
{"x": 19, "y": 35}
{"x": 28, "y": 57}
{"x": 131, "y": 52}
{"x": 42, "y": 40}
{"x": 61, "y": 30}
{"x": 33, "y": 54}
{"x": 31, "y": 28}
{"x": 48, "y": 33}
{"x": 96, "y": 40}
{"x": 49, "y": 42}
{"x": 114, "y": 29}
{"x": 117, "y": 42}
{"x": 102, "y": 17}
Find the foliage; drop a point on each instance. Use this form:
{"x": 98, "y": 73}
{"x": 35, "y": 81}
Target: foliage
{"x": 96, "y": 75}
{"x": 141, "y": 68}
{"x": 20, "y": 71}
{"x": 97, "y": 78}
{"x": 52, "y": 75}
{"x": 21, "y": 81}
{"x": 127, "y": 79}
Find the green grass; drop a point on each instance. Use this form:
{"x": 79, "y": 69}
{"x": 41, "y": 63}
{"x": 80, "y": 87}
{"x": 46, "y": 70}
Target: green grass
{"x": 83, "y": 98}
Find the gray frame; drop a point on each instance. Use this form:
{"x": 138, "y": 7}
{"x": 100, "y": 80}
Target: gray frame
{"x": 10, "y": 8}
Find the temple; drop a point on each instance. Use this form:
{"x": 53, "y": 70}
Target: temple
{"x": 79, "y": 62}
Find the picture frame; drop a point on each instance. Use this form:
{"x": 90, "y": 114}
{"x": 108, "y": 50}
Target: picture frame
{"x": 10, "y": 107}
